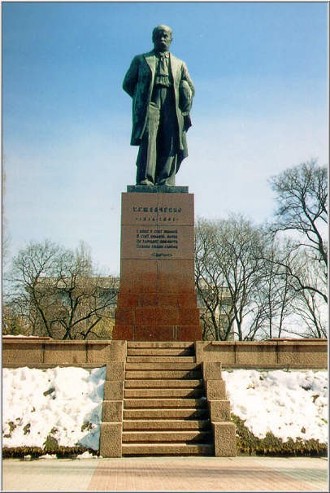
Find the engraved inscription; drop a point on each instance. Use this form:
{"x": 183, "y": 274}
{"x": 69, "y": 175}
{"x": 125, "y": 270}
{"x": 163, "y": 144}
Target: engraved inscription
{"x": 157, "y": 239}
{"x": 156, "y": 214}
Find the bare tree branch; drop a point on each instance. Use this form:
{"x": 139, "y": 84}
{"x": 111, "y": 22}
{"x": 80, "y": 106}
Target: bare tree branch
{"x": 58, "y": 292}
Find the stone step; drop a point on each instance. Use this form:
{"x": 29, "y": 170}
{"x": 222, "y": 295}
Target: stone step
{"x": 166, "y": 436}
{"x": 160, "y": 352}
{"x": 165, "y": 424}
{"x": 167, "y": 449}
{"x": 159, "y": 344}
{"x": 162, "y": 366}
{"x": 162, "y": 403}
{"x": 165, "y": 410}
{"x": 163, "y": 393}
{"x": 161, "y": 359}
{"x": 163, "y": 374}
{"x": 166, "y": 413}
{"x": 157, "y": 384}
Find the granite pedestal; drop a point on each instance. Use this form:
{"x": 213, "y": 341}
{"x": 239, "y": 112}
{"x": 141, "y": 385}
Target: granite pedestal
{"x": 157, "y": 299}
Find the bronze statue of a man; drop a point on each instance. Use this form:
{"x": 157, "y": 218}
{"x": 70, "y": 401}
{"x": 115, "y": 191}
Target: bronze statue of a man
{"x": 162, "y": 93}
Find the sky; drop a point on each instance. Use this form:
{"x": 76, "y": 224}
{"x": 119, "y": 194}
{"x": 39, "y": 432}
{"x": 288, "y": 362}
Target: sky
{"x": 261, "y": 78}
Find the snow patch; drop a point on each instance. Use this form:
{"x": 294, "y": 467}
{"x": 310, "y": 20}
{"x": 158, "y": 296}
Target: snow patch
{"x": 65, "y": 403}
{"x": 290, "y": 404}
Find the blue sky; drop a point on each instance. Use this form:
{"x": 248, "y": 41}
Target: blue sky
{"x": 260, "y": 71}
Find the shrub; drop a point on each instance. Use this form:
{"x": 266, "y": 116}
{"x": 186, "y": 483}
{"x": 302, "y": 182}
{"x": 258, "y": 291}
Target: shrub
{"x": 35, "y": 452}
{"x": 248, "y": 443}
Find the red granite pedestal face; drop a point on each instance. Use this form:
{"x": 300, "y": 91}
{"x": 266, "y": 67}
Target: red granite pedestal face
{"x": 157, "y": 299}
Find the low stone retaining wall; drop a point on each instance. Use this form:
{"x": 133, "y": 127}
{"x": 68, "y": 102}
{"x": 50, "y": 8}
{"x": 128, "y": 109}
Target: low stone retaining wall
{"x": 43, "y": 351}
{"x": 280, "y": 353}
{"x": 298, "y": 353}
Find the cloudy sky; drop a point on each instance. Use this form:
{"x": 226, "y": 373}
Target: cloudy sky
{"x": 260, "y": 72}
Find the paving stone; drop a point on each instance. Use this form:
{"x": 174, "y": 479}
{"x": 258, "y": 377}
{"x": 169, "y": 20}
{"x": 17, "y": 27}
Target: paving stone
{"x": 142, "y": 474}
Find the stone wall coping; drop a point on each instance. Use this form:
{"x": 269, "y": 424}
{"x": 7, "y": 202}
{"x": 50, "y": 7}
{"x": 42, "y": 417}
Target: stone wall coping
{"x": 293, "y": 339}
{"x": 8, "y": 338}
{"x": 102, "y": 342}
{"x": 287, "y": 342}
{"x": 48, "y": 341}
{"x": 45, "y": 366}
{"x": 311, "y": 343}
{"x": 243, "y": 343}
{"x": 291, "y": 367}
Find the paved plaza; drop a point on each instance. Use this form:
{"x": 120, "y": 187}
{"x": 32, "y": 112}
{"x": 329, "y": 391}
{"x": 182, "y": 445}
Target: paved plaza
{"x": 167, "y": 474}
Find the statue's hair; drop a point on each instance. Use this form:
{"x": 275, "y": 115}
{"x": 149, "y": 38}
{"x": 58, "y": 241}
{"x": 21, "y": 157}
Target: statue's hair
{"x": 161, "y": 27}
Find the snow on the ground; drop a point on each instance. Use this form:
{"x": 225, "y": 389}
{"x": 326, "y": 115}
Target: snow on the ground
{"x": 287, "y": 403}
{"x": 65, "y": 403}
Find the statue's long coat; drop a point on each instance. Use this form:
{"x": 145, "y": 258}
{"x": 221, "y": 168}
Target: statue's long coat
{"x": 139, "y": 83}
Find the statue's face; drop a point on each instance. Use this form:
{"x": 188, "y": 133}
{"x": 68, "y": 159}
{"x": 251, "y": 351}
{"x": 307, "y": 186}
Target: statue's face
{"x": 162, "y": 40}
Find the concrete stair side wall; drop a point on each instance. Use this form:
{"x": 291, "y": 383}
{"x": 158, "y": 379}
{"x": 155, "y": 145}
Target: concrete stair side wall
{"x": 112, "y": 409}
{"x": 219, "y": 407}
{"x": 193, "y": 394}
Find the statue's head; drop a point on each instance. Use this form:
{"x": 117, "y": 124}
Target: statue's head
{"x": 162, "y": 37}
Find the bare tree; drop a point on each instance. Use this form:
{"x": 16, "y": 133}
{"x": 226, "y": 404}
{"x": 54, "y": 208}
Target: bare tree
{"x": 307, "y": 285}
{"x": 274, "y": 291}
{"x": 228, "y": 272}
{"x": 217, "y": 310}
{"x": 301, "y": 195}
{"x": 252, "y": 285}
{"x": 57, "y": 291}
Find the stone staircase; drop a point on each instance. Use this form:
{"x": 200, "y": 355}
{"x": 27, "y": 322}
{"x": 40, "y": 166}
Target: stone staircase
{"x": 165, "y": 398}
{"x": 165, "y": 410}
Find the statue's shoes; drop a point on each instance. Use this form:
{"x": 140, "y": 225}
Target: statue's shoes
{"x": 146, "y": 182}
